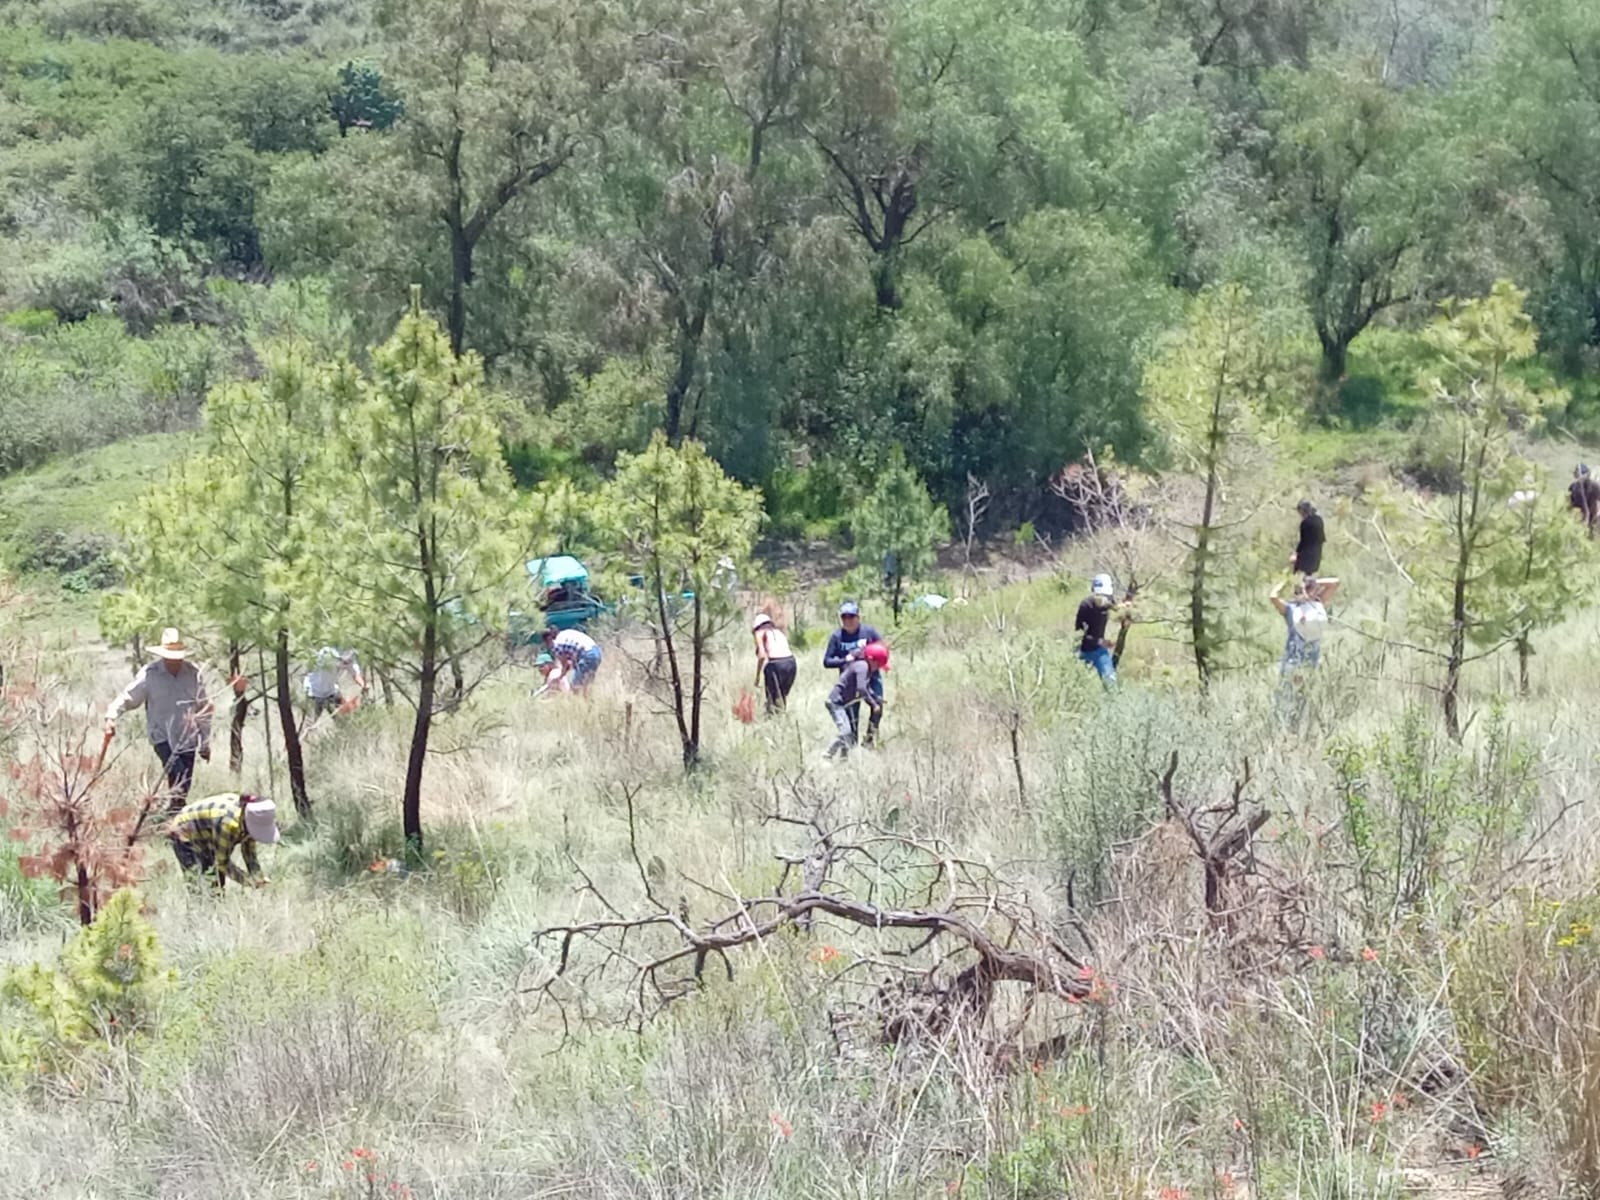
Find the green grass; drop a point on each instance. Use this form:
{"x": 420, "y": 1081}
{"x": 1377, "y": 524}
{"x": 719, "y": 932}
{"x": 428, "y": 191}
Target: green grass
{"x": 68, "y": 504}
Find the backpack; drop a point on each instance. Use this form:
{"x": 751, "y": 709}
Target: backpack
{"x": 1310, "y": 620}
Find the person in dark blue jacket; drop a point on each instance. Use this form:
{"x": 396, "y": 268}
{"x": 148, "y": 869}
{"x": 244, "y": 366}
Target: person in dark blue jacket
{"x": 844, "y": 647}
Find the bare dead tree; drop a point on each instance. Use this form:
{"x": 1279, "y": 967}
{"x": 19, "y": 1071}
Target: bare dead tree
{"x": 965, "y": 931}
{"x": 1245, "y": 898}
{"x": 1106, "y": 508}
{"x": 977, "y": 507}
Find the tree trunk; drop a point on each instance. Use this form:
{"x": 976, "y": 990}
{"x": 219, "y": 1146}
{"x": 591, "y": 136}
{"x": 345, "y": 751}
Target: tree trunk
{"x": 1014, "y": 727}
{"x": 241, "y": 709}
{"x": 291, "y": 728}
{"x": 689, "y": 335}
{"x": 1335, "y": 356}
{"x": 885, "y": 279}
{"x": 1524, "y": 652}
{"x": 460, "y": 277}
{"x": 691, "y": 745}
{"x": 411, "y": 801}
{"x": 1121, "y": 644}
{"x": 1457, "y": 656}
{"x": 1199, "y": 619}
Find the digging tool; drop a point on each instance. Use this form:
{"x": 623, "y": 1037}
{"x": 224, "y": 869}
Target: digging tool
{"x": 105, "y": 745}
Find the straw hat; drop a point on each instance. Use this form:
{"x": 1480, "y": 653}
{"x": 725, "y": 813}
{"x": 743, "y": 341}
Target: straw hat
{"x": 171, "y": 645}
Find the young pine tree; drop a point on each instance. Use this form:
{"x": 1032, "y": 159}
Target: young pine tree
{"x": 1483, "y": 570}
{"x": 428, "y": 534}
{"x": 1206, "y": 392}
{"x": 899, "y": 526}
{"x": 676, "y": 516}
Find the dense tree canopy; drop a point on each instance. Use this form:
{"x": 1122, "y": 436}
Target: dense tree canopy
{"x": 793, "y": 230}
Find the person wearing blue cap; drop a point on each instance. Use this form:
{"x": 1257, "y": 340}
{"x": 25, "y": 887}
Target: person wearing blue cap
{"x": 1584, "y": 495}
{"x": 845, "y": 645}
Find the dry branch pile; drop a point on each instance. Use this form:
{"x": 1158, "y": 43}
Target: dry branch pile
{"x": 950, "y": 931}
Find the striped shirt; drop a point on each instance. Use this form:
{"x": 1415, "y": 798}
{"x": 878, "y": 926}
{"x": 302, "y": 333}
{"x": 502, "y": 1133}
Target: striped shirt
{"x": 213, "y": 827}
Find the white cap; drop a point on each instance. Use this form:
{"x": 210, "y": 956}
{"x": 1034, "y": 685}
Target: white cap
{"x": 761, "y": 619}
{"x": 1101, "y": 585}
{"x": 261, "y": 820}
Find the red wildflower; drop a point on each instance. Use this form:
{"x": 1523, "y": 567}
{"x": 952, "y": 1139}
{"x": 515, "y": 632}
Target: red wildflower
{"x": 1380, "y": 1110}
{"x": 1368, "y": 954}
{"x": 312, "y": 1165}
{"x": 363, "y": 1152}
{"x": 347, "y": 1165}
{"x": 782, "y": 1126}
{"x": 823, "y": 954}
{"x": 1474, "y": 1150}
{"x": 1172, "y": 1193}
{"x": 1318, "y": 953}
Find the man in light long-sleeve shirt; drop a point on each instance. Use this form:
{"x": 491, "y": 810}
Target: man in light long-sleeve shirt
{"x": 177, "y": 710}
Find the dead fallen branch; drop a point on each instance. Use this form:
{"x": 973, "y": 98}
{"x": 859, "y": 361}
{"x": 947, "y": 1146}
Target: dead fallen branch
{"x": 966, "y": 931}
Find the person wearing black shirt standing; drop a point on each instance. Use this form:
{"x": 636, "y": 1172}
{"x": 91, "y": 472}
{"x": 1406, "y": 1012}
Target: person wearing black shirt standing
{"x": 1307, "y": 557}
{"x": 1092, "y": 616}
{"x": 844, "y": 647}
{"x": 1583, "y": 494}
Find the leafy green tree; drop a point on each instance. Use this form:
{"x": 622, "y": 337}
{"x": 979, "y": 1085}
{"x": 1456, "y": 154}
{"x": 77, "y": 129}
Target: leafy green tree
{"x": 499, "y": 96}
{"x": 1365, "y": 181}
{"x": 899, "y": 527}
{"x": 361, "y": 100}
{"x": 679, "y": 521}
{"x": 428, "y": 536}
{"x": 1206, "y": 393}
{"x": 1544, "y": 101}
{"x": 1481, "y": 569}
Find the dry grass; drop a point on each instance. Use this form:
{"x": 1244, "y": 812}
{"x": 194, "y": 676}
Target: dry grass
{"x": 344, "y": 1009}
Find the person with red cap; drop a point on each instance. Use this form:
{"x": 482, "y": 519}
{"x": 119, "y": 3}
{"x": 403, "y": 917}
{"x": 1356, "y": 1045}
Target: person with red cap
{"x": 855, "y": 686}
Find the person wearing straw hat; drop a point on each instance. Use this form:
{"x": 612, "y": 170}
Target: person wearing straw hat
{"x": 177, "y": 710}
{"x": 775, "y": 664}
{"x": 206, "y": 832}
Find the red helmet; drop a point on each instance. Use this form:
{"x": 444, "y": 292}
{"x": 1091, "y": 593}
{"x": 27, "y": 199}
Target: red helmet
{"x": 877, "y": 654}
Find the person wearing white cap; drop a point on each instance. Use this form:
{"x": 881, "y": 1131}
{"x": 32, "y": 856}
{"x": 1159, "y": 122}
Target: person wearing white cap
{"x": 1093, "y": 613}
{"x": 177, "y": 710}
{"x": 775, "y": 664}
{"x": 206, "y": 833}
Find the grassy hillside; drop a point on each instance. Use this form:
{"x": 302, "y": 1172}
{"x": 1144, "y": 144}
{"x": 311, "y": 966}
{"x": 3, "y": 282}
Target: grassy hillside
{"x": 56, "y": 523}
{"x": 1383, "y": 1006}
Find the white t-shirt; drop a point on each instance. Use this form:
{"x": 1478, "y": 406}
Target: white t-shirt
{"x": 322, "y": 682}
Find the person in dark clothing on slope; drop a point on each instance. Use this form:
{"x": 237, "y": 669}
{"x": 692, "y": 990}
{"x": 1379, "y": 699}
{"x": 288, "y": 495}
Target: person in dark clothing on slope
{"x": 855, "y": 687}
{"x": 1307, "y": 555}
{"x": 1093, "y": 614}
{"x": 1583, "y": 494}
{"x": 844, "y": 647}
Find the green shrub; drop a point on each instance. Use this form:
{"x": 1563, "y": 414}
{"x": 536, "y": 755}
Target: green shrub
{"x": 104, "y": 990}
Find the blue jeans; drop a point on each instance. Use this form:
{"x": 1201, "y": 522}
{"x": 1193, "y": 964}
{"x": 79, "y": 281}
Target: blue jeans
{"x": 854, "y": 712}
{"x": 1100, "y": 659}
{"x": 588, "y": 663}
